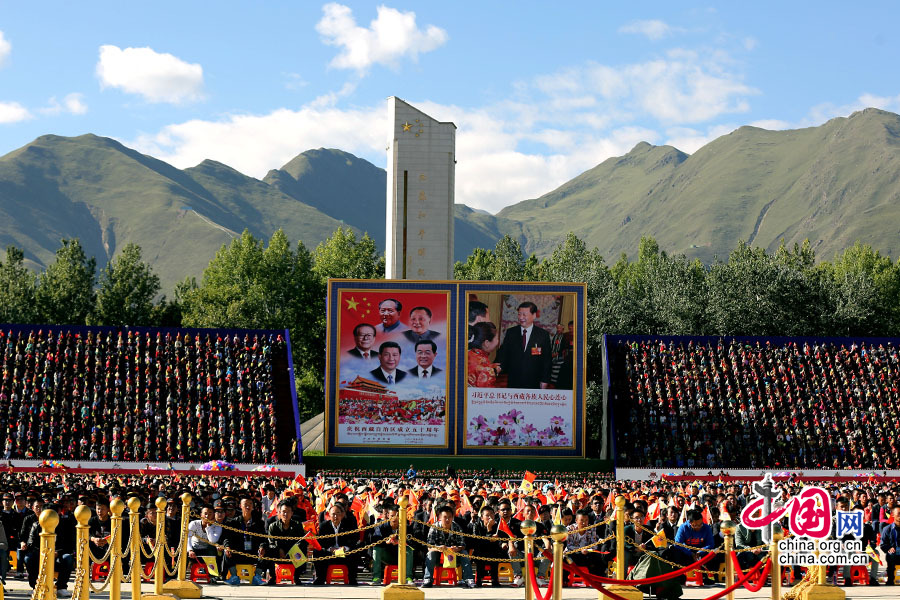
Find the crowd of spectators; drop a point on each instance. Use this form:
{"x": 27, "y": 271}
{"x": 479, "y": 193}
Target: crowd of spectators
{"x": 760, "y": 404}
{"x": 231, "y": 515}
{"x": 123, "y": 395}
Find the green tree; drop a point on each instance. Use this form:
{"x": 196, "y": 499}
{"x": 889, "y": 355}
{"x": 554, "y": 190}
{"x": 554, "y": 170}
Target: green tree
{"x": 17, "y": 289}
{"x": 65, "y": 291}
{"x": 127, "y": 288}
{"x": 479, "y": 266}
{"x": 248, "y": 285}
{"x": 757, "y": 293}
{"x": 506, "y": 262}
{"x": 343, "y": 256}
{"x": 864, "y": 291}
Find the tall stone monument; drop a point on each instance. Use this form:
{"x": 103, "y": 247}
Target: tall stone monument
{"x": 421, "y": 166}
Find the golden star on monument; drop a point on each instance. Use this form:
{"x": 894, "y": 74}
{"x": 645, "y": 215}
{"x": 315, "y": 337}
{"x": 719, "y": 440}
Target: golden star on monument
{"x": 406, "y": 126}
{"x": 352, "y": 304}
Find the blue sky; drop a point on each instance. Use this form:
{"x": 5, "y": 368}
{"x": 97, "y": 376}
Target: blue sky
{"x": 538, "y": 94}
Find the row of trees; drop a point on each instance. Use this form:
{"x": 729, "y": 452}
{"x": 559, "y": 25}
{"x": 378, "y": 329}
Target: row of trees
{"x": 250, "y": 284}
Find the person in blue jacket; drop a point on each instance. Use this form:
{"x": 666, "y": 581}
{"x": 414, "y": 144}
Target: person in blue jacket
{"x": 697, "y": 534}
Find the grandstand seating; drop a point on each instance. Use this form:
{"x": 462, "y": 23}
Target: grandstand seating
{"x": 691, "y": 402}
{"x": 143, "y": 394}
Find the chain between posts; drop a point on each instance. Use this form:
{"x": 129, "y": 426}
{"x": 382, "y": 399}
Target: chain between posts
{"x": 288, "y": 537}
{"x": 80, "y": 572}
{"x": 510, "y": 539}
{"x": 719, "y": 550}
{"x": 282, "y": 560}
{"x": 472, "y": 557}
{"x": 40, "y": 588}
{"x": 674, "y": 564}
{"x": 591, "y": 545}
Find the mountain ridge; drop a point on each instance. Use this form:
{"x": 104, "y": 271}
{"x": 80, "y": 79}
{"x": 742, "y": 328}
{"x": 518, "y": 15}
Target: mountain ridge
{"x": 834, "y": 183}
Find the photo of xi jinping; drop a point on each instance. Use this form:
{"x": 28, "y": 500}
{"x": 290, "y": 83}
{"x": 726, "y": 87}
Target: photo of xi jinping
{"x": 525, "y": 354}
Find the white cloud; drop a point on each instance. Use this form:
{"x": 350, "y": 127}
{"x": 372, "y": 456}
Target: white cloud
{"x": 557, "y": 126}
{"x": 5, "y": 49}
{"x": 72, "y": 104}
{"x": 823, "y": 112}
{"x": 683, "y": 87}
{"x": 253, "y": 144}
{"x": 13, "y": 112}
{"x": 690, "y": 140}
{"x": 157, "y": 77}
{"x": 653, "y": 29}
{"x": 771, "y": 124}
{"x": 391, "y": 36}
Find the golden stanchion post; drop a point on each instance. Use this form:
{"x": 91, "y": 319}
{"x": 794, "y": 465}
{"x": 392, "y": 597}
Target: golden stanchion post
{"x": 82, "y": 551}
{"x": 626, "y": 591}
{"x": 528, "y": 528}
{"x": 46, "y": 588}
{"x": 134, "y": 520}
{"x": 161, "y": 554}
{"x": 401, "y": 590}
{"x": 777, "y": 536}
{"x": 559, "y": 534}
{"x": 181, "y": 587}
{"x": 728, "y": 528}
{"x": 115, "y": 554}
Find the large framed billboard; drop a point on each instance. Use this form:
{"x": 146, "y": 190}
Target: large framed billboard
{"x": 465, "y": 368}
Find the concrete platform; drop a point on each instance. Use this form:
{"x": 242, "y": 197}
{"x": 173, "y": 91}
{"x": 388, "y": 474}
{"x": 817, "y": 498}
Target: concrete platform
{"x": 19, "y": 590}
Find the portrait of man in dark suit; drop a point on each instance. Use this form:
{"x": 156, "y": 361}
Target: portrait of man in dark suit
{"x": 426, "y": 351}
{"x": 364, "y": 339}
{"x": 419, "y": 323}
{"x": 389, "y": 357}
{"x": 525, "y": 354}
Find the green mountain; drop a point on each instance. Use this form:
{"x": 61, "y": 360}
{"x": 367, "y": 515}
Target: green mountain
{"x": 108, "y": 195}
{"x": 340, "y": 185}
{"x": 833, "y": 184}
{"x": 352, "y": 190}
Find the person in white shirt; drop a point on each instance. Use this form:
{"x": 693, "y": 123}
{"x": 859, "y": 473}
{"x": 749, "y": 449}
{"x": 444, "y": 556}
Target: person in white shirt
{"x": 269, "y": 499}
{"x": 203, "y": 534}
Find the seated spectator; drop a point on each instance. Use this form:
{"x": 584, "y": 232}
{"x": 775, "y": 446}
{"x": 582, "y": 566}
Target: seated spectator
{"x": 487, "y": 525}
{"x": 337, "y": 548}
{"x": 285, "y": 532}
{"x": 247, "y": 535}
{"x": 444, "y": 540}
{"x": 890, "y": 544}
{"x": 387, "y": 553}
{"x": 583, "y": 545}
{"x": 694, "y": 533}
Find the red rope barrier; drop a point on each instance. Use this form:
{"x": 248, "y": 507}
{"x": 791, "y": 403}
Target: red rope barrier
{"x": 753, "y": 587}
{"x": 743, "y": 580}
{"x": 596, "y": 579}
{"x": 529, "y": 562}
